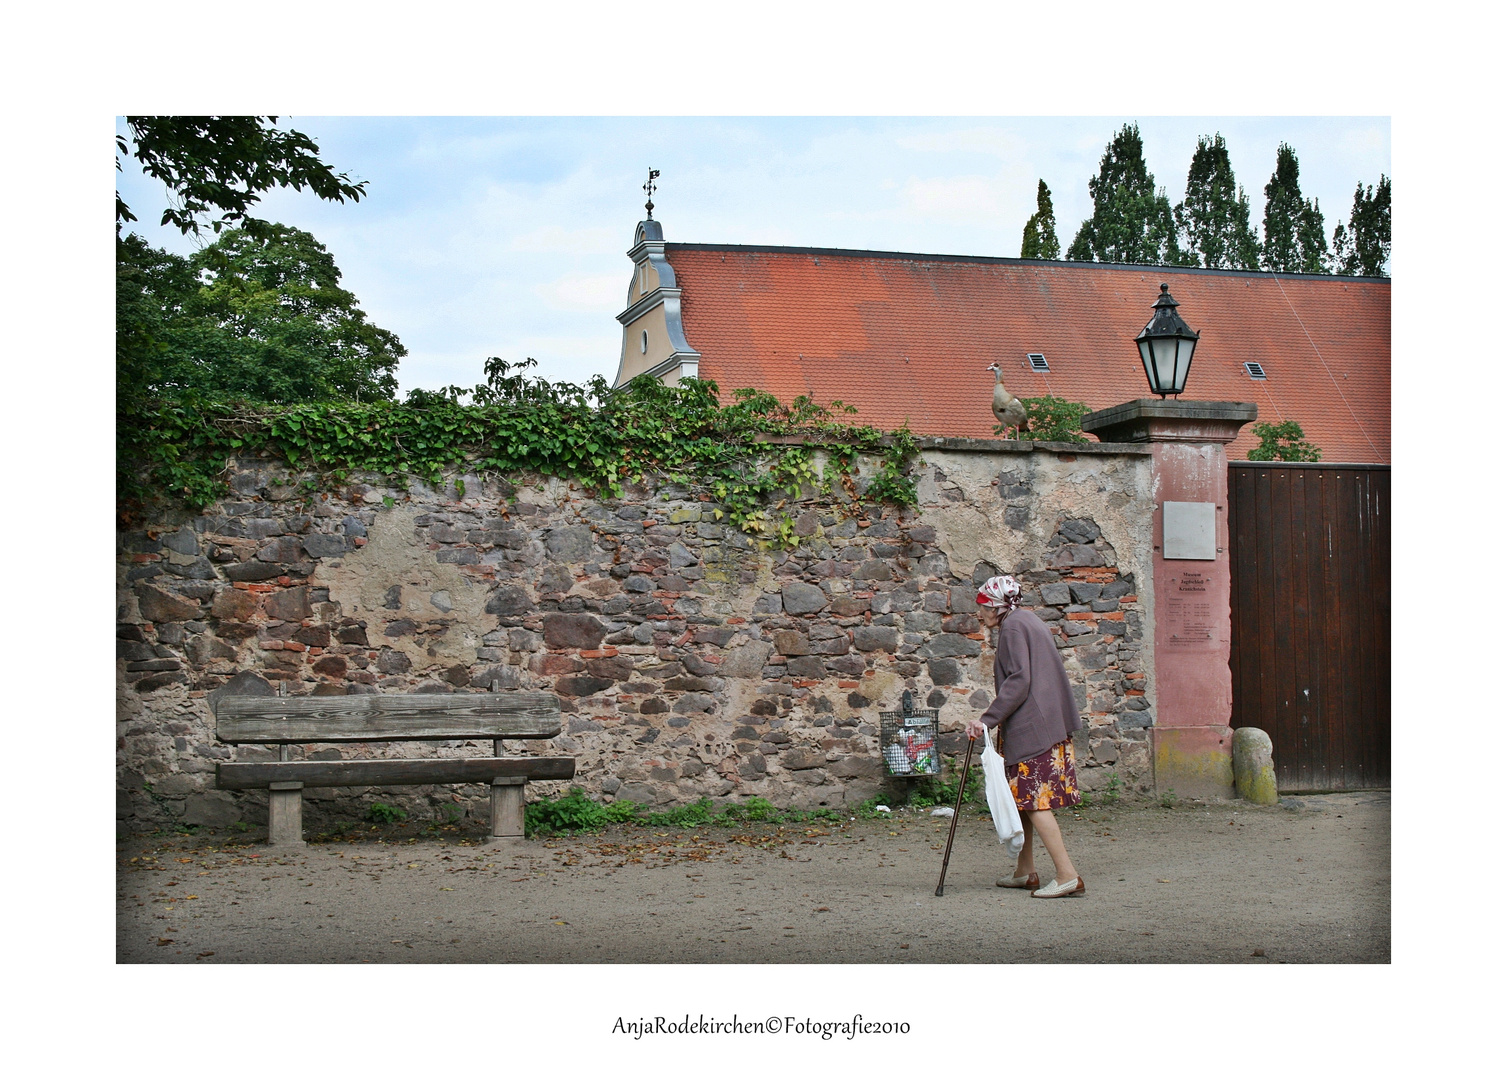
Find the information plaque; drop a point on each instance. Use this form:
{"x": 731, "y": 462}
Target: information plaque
{"x": 1187, "y": 530}
{"x": 1190, "y": 613}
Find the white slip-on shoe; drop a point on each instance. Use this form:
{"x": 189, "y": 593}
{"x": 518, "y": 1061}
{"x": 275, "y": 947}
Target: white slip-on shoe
{"x": 1053, "y": 890}
{"x": 1022, "y": 881}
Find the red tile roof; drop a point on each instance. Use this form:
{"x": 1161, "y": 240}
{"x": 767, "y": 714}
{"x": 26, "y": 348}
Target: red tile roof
{"x": 907, "y": 338}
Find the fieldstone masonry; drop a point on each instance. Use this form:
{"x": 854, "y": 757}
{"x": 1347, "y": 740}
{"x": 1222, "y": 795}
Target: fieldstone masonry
{"x": 687, "y": 662}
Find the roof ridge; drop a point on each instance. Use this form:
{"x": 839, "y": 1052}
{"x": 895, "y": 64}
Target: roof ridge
{"x": 995, "y": 259}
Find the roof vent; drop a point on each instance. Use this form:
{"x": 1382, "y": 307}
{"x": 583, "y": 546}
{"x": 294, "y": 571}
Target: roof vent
{"x": 1038, "y": 362}
{"x": 1254, "y": 370}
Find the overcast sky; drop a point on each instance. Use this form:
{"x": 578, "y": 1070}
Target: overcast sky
{"x": 506, "y": 236}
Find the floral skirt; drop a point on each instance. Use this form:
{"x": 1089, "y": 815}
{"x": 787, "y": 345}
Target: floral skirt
{"x": 1047, "y": 781}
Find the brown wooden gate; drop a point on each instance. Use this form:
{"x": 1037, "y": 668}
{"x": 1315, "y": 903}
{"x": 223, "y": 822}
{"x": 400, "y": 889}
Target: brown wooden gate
{"x": 1311, "y": 619}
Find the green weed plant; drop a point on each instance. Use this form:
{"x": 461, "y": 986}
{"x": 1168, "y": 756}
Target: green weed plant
{"x": 576, "y": 812}
{"x": 385, "y": 814}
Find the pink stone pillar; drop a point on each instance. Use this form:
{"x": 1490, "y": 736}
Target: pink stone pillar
{"x": 1190, "y": 560}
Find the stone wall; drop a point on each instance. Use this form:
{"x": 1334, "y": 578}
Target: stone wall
{"x": 687, "y": 662}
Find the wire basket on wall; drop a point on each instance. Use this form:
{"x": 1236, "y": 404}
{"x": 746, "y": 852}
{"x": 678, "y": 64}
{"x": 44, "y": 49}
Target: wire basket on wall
{"x": 908, "y": 742}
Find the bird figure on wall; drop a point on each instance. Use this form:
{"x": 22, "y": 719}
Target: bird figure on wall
{"x": 1008, "y": 410}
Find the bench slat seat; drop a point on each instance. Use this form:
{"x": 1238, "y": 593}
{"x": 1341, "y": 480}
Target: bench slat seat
{"x": 387, "y": 718}
{"x": 245, "y": 775}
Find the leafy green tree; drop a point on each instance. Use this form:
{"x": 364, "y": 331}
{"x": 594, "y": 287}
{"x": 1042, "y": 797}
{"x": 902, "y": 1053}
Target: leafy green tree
{"x": 1293, "y": 226}
{"x": 1132, "y": 221}
{"x": 1214, "y": 218}
{"x": 1039, "y": 240}
{"x": 1282, "y": 442}
{"x": 217, "y": 167}
{"x": 258, "y": 316}
{"x": 151, "y": 289}
{"x": 1367, "y": 246}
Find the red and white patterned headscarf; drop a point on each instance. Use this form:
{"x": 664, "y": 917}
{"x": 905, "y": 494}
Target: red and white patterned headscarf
{"x": 1000, "y": 592}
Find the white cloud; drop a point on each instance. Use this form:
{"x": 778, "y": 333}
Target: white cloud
{"x": 585, "y": 292}
{"x": 981, "y": 200}
{"x": 954, "y": 197}
{"x": 993, "y": 141}
{"x": 554, "y": 240}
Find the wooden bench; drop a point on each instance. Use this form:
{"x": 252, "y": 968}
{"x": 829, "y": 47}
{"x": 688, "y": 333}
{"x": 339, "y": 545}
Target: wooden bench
{"x": 388, "y": 718}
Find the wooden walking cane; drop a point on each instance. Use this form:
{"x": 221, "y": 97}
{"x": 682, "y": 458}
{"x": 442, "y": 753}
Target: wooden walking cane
{"x": 956, "y": 810}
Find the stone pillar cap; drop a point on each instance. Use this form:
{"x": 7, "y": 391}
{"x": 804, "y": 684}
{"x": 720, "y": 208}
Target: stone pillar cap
{"x": 1159, "y": 420}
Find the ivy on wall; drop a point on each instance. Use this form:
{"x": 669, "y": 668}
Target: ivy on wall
{"x": 177, "y": 450}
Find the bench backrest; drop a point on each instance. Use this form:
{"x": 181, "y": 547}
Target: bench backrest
{"x": 387, "y": 718}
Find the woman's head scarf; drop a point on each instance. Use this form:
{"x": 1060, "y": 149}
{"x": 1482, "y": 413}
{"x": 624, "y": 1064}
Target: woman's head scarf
{"x": 1000, "y": 592}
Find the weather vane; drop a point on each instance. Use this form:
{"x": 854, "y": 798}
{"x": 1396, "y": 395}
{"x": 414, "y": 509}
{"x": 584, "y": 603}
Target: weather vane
{"x": 649, "y": 190}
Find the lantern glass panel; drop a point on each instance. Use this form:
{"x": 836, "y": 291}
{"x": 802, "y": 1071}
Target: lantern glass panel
{"x": 1164, "y": 353}
{"x": 1184, "y": 362}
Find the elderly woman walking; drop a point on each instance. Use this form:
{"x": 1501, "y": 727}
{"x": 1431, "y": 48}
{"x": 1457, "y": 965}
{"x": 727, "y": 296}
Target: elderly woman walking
{"x": 1035, "y": 714}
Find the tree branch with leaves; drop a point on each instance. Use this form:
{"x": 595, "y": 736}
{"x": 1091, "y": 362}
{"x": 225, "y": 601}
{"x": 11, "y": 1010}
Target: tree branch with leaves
{"x": 217, "y": 167}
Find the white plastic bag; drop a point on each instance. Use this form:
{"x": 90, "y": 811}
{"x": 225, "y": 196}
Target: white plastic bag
{"x": 1001, "y": 801}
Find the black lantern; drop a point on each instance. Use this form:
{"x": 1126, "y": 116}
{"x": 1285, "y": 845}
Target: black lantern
{"x": 1167, "y": 346}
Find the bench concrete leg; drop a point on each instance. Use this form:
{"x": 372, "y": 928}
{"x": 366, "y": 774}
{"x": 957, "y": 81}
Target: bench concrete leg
{"x": 285, "y": 814}
{"x": 507, "y": 807}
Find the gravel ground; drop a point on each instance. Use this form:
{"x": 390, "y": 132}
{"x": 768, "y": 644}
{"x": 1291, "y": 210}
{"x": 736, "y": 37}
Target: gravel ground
{"x": 1218, "y": 882}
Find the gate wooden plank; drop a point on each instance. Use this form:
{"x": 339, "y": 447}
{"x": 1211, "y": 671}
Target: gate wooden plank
{"x": 1339, "y": 671}
{"x": 1381, "y": 620}
{"x": 387, "y": 717}
{"x": 1285, "y": 675}
{"x": 1360, "y": 658}
{"x": 1331, "y": 615}
{"x": 1307, "y": 547}
{"x": 240, "y": 775}
{"x": 1374, "y": 722}
{"x": 1363, "y": 655}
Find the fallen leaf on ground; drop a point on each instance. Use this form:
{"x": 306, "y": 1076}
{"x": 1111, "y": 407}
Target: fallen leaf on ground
{"x": 164, "y": 941}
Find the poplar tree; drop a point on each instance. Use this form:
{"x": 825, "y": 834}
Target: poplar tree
{"x": 1039, "y": 241}
{"x": 1293, "y": 226}
{"x": 1214, "y": 218}
{"x": 1133, "y": 221}
{"x": 1367, "y": 246}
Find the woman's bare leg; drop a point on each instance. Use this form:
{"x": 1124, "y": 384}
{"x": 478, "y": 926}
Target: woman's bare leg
{"x": 1025, "y": 862}
{"x": 1051, "y": 838}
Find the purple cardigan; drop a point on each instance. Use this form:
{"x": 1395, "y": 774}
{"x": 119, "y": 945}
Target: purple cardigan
{"x": 1032, "y": 695}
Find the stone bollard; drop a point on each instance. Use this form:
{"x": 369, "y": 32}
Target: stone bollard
{"x": 1255, "y": 778}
